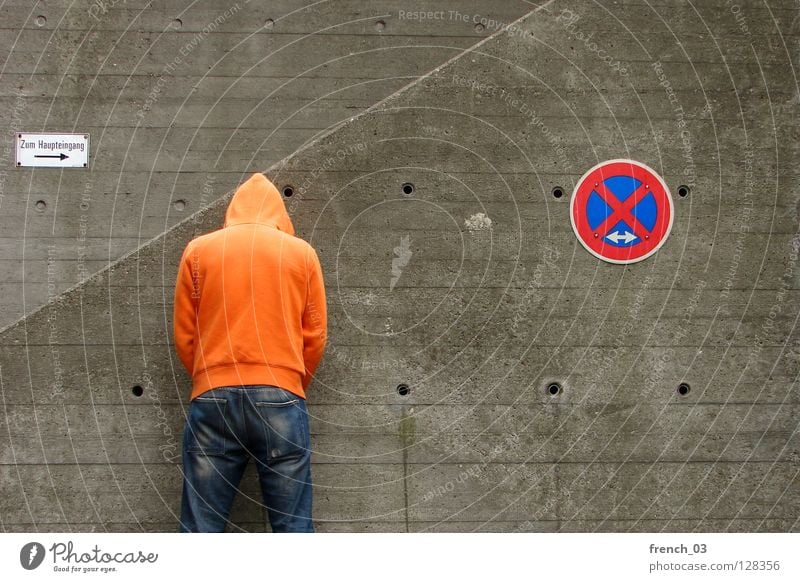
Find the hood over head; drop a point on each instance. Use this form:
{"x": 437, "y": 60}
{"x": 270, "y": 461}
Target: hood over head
{"x": 258, "y": 201}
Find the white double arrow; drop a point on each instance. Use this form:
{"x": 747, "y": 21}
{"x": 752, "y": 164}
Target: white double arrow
{"x": 615, "y": 237}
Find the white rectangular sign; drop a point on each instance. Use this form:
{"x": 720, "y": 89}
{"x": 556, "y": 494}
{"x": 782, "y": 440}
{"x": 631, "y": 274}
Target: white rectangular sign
{"x": 53, "y": 150}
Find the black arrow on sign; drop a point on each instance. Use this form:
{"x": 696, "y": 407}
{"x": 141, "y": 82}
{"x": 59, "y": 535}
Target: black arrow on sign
{"x": 59, "y": 156}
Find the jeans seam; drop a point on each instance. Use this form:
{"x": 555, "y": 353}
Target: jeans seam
{"x": 243, "y": 419}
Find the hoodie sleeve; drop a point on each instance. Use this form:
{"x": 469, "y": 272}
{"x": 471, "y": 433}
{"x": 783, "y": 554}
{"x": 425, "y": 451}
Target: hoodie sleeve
{"x": 184, "y": 316}
{"x": 315, "y": 319}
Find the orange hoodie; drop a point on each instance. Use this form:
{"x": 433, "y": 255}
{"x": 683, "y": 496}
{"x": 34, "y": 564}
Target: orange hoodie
{"x": 250, "y": 299}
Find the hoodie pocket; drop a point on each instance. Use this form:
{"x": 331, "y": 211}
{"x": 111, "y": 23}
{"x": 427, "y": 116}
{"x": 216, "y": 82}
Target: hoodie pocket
{"x": 206, "y": 427}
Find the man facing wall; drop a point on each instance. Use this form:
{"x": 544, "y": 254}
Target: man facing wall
{"x": 250, "y": 326}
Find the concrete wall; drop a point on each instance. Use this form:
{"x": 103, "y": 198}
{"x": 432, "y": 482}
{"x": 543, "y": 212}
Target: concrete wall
{"x": 485, "y": 315}
{"x": 181, "y": 99}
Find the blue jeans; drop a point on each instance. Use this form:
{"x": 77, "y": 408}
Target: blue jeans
{"x": 224, "y": 428}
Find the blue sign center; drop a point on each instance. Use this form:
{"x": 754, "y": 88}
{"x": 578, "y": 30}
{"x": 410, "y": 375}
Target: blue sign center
{"x": 621, "y": 234}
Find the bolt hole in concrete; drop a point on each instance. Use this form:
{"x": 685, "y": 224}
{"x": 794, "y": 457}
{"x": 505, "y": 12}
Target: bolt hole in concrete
{"x": 180, "y": 205}
{"x": 41, "y": 205}
{"x": 554, "y": 388}
{"x": 683, "y": 191}
{"x": 177, "y": 24}
{"x": 137, "y": 390}
{"x": 558, "y": 192}
{"x": 479, "y": 27}
{"x": 403, "y": 389}
{"x": 41, "y": 20}
{"x": 408, "y": 188}
{"x": 683, "y": 388}
{"x": 288, "y": 191}
{"x": 269, "y": 23}
{"x": 380, "y": 25}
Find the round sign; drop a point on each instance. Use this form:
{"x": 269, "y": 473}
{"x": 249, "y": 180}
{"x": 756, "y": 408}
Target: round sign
{"x": 621, "y": 211}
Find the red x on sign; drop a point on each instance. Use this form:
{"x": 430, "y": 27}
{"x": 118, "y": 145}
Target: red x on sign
{"x": 621, "y": 211}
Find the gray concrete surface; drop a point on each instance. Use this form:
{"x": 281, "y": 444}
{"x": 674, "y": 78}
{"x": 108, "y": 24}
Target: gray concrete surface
{"x": 481, "y": 320}
{"x": 181, "y": 99}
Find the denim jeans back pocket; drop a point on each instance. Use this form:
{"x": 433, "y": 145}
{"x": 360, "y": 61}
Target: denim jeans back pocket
{"x": 285, "y": 426}
{"x": 206, "y": 427}
{"x": 272, "y": 396}
{"x": 270, "y": 404}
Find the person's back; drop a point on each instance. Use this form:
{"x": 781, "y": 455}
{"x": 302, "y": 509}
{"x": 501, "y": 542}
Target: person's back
{"x": 250, "y": 327}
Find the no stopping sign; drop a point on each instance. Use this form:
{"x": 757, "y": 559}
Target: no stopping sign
{"x": 621, "y": 211}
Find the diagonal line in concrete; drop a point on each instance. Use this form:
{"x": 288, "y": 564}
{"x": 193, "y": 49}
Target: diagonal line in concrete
{"x": 193, "y": 218}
